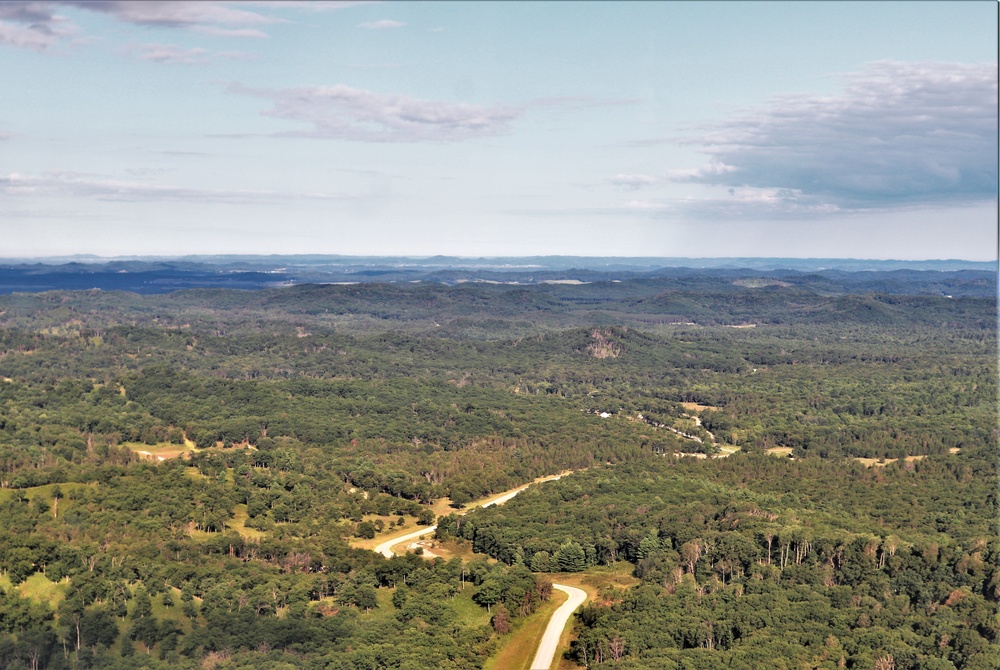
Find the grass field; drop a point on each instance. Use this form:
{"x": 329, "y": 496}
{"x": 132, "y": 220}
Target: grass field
{"x": 37, "y": 587}
{"x": 882, "y": 462}
{"x": 697, "y": 407}
{"x": 162, "y": 451}
{"x": 238, "y": 522}
{"x": 45, "y": 492}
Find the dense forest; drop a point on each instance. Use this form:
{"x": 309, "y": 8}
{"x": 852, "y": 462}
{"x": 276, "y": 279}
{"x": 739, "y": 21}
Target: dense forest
{"x": 799, "y": 472}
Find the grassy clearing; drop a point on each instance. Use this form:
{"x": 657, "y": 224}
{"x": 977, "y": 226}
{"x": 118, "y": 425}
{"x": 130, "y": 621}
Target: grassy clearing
{"x": 468, "y": 612}
{"x": 193, "y": 473}
{"x": 161, "y": 451}
{"x": 238, "y": 523}
{"x": 519, "y": 647}
{"x": 172, "y": 613}
{"x": 697, "y": 407}
{"x": 453, "y": 549}
{"x": 779, "y": 451}
{"x": 45, "y": 492}
{"x": 37, "y": 587}
{"x": 882, "y": 462}
{"x": 599, "y": 581}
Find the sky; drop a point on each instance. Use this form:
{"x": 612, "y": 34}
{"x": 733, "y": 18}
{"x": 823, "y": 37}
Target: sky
{"x": 668, "y": 129}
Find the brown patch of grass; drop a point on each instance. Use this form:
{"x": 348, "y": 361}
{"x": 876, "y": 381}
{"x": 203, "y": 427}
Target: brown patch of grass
{"x": 697, "y": 407}
{"x": 159, "y": 452}
{"x": 450, "y": 549}
{"x": 597, "y": 581}
{"x": 779, "y": 451}
{"x": 882, "y": 462}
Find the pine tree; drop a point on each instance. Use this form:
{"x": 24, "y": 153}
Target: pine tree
{"x": 571, "y": 557}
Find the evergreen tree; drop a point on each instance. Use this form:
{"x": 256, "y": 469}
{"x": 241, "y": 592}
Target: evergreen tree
{"x": 571, "y": 557}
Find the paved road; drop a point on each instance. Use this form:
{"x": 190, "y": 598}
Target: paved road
{"x": 510, "y": 494}
{"x": 550, "y": 640}
{"x": 386, "y": 547}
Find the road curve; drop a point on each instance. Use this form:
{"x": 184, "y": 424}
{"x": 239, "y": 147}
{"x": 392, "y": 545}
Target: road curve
{"x": 550, "y": 640}
{"x": 386, "y": 547}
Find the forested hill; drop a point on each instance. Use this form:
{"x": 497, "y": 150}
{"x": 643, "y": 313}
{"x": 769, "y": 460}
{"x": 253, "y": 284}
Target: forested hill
{"x": 481, "y": 310}
{"x": 182, "y": 474}
{"x": 830, "y": 276}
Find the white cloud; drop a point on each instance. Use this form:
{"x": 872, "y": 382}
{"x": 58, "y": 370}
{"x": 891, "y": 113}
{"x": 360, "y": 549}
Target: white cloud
{"x": 343, "y": 112}
{"x": 901, "y": 134}
{"x": 708, "y": 172}
{"x": 381, "y": 25}
{"x": 633, "y": 182}
{"x": 173, "y": 54}
{"x": 76, "y": 185}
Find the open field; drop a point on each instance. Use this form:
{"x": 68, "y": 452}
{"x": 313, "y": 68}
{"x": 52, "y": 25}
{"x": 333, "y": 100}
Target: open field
{"x": 162, "y": 451}
{"x": 37, "y": 587}
{"x": 882, "y": 462}
{"x": 45, "y": 492}
{"x": 238, "y": 522}
{"x": 697, "y": 407}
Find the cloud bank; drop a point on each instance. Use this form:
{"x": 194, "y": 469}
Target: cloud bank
{"x": 342, "y": 112}
{"x": 901, "y": 135}
{"x": 32, "y": 25}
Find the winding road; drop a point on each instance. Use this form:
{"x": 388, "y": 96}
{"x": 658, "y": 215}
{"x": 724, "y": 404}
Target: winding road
{"x": 386, "y": 547}
{"x": 550, "y": 639}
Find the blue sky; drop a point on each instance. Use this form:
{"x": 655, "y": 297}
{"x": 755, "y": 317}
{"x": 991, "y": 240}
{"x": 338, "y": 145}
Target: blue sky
{"x": 802, "y": 129}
